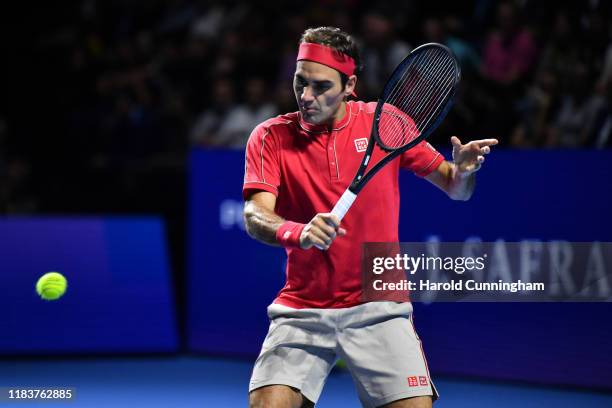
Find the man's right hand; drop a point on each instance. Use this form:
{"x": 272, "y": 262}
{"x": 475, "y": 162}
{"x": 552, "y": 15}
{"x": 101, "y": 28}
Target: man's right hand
{"x": 321, "y": 231}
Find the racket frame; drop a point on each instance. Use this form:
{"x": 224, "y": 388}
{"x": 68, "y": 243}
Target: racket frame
{"x": 362, "y": 178}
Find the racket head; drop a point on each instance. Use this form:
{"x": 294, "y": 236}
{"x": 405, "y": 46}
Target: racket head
{"x": 416, "y": 98}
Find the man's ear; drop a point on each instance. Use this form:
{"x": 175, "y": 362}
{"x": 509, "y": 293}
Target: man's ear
{"x": 350, "y": 85}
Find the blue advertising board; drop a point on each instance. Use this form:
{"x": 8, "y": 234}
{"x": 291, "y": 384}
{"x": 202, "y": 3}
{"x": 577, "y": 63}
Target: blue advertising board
{"x": 119, "y": 297}
{"x": 520, "y": 195}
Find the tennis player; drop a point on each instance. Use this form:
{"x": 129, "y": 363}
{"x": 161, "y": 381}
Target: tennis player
{"x": 297, "y": 166}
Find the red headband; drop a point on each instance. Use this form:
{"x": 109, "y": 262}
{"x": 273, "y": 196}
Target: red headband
{"x": 327, "y": 56}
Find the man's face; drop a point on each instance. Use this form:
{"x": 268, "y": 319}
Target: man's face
{"x": 318, "y": 91}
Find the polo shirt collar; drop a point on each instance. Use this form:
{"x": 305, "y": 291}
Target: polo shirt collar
{"x": 309, "y": 127}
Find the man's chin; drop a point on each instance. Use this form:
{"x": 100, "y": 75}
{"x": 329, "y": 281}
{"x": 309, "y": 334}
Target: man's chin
{"x": 313, "y": 119}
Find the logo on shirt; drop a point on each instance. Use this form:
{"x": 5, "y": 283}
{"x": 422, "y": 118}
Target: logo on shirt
{"x": 414, "y": 381}
{"x": 361, "y": 144}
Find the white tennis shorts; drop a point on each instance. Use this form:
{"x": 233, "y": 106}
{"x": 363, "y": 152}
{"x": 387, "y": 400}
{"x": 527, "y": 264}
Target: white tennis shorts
{"x": 377, "y": 341}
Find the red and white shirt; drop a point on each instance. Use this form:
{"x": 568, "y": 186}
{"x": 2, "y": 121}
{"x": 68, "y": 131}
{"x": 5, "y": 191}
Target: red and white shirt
{"x": 308, "y": 167}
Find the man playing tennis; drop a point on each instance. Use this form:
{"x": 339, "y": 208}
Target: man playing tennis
{"x": 297, "y": 166}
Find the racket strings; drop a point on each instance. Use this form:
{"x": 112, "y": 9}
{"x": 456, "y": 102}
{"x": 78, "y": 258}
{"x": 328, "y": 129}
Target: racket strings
{"x": 410, "y": 81}
{"x": 417, "y": 97}
{"x": 414, "y": 93}
{"x": 420, "y": 103}
{"x": 428, "y": 104}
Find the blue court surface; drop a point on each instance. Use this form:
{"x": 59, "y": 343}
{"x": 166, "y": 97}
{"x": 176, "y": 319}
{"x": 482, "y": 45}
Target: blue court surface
{"x": 216, "y": 382}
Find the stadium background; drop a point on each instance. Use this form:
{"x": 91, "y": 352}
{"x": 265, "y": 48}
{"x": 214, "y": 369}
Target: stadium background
{"x": 122, "y": 126}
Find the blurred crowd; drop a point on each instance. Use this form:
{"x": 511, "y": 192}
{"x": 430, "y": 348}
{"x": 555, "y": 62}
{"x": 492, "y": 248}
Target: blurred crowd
{"x": 108, "y": 96}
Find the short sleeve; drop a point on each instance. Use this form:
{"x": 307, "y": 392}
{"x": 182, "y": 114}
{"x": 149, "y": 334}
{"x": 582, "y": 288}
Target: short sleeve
{"x": 422, "y": 159}
{"x": 262, "y": 166}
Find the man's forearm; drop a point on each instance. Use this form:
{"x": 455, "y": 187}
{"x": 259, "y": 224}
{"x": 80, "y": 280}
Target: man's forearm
{"x": 261, "y": 223}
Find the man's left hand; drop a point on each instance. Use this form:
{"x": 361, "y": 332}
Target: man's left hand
{"x": 468, "y": 158}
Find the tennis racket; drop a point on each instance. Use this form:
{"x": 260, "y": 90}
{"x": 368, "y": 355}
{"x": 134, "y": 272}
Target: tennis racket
{"x": 415, "y": 100}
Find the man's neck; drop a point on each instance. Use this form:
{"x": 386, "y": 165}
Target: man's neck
{"x": 338, "y": 116}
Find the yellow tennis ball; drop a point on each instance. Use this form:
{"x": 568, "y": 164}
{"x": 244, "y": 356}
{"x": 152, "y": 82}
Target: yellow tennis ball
{"x": 51, "y": 286}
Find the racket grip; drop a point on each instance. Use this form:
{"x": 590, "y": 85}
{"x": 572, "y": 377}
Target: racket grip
{"x": 343, "y": 204}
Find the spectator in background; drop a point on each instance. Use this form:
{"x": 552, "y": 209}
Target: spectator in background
{"x": 561, "y": 53}
{"x": 228, "y": 124}
{"x": 226, "y": 63}
{"x": 577, "y": 113}
{"x": 284, "y": 98}
{"x": 509, "y": 51}
{"x": 465, "y": 52}
{"x": 535, "y": 110}
{"x": 208, "y": 125}
{"x": 256, "y": 109}
{"x": 382, "y": 51}
{"x": 559, "y": 58}
{"x": 447, "y": 33}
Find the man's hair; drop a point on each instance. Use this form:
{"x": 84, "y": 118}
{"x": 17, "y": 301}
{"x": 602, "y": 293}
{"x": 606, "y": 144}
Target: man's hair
{"x": 338, "y": 40}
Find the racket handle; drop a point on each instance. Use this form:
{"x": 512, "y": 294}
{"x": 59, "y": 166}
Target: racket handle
{"x": 343, "y": 204}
